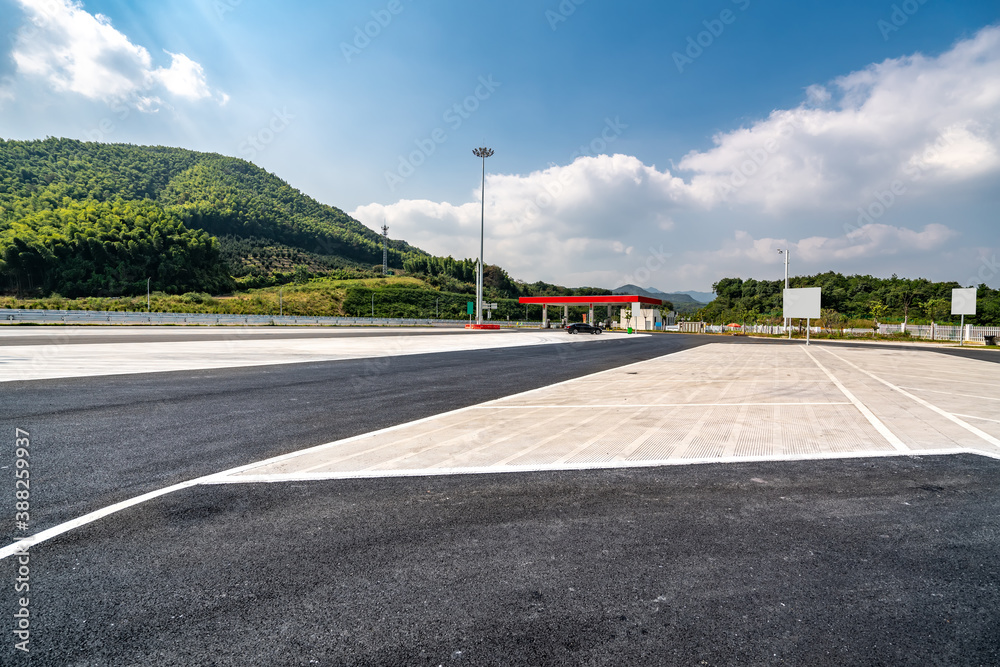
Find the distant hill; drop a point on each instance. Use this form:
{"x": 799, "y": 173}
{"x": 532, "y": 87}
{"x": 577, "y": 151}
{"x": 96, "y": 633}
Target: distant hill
{"x": 682, "y": 303}
{"x": 84, "y": 219}
{"x": 89, "y": 218}
{"x": 701, "y": 297}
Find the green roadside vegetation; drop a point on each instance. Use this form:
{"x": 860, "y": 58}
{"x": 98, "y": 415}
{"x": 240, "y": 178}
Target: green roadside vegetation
{"x": 848, "y": 302}
{"x": 92, "y": 226}
{"x": 394, "y": 296}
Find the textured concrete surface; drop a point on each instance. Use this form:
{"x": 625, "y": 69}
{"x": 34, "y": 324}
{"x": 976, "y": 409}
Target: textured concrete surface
{"x": 175, "y": 350}
{"x": 719, "y": 402}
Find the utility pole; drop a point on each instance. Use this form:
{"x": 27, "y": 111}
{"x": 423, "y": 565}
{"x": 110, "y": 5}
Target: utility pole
{"x": 385, "y": 249}
{"x": 786, "y": 252}
{"x": 147, "y": 296}
{"x": 483, "y": 153}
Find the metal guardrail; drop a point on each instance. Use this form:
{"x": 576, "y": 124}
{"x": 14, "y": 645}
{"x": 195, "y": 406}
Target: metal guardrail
{"x": 34, "y": 316}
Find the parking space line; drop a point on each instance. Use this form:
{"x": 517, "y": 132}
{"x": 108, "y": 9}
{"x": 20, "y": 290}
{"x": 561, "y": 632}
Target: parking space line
{"x": 646, "y": 405}
{"x": 869, "y": 415}
{"x": 985, "y": 419}
{"x": 951, "y": 393}
{"x": 598, "y": 465}
{"x": 944, "y": 413}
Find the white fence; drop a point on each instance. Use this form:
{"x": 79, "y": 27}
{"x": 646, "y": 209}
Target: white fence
{"x": 33, "y": 316}
{"x": 973, "y": 334}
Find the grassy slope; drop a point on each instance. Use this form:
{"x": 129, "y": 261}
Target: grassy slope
{"x": 395, "y": 296}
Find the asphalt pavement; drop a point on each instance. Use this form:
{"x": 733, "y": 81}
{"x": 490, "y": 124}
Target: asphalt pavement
{"x": 875, "y": 561}
{"x": 851, "y": 562}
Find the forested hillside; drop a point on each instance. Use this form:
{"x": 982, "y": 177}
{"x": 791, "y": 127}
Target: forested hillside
{"x": 848, "y": 297}
{"x": 87, "y": 218}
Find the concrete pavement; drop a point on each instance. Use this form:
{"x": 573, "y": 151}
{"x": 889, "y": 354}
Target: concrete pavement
{"x": 719, "y": 402}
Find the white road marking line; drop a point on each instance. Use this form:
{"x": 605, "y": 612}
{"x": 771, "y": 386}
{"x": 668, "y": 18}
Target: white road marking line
{"x": 951, "y": 393}
{"x": 602, "y": 465}
{"x": 985, "y": 419}
{"x": 57, "y": 530}
{"x": 640, "y": 405}
{"x": 869, "y": 415}
{"x": 947, "y": 415}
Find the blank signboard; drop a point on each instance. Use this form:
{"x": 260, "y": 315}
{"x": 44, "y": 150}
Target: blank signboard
{"x": 963, "y": 301}
{"x": 801, "y": 302}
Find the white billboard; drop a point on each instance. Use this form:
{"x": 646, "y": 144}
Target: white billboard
{"x": 963, "y": 301}
{"x": 801, "y": 302}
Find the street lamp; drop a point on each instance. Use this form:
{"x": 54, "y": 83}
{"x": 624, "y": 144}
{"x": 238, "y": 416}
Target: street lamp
{"x": 786, "y": 252}
{"x": 483, "y": 153}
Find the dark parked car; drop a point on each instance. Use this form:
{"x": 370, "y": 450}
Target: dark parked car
{"x": 578, "y": 327}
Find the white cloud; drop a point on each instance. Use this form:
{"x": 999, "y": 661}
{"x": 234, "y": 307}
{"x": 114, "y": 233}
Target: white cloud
{"x": 184, "y": 77}
{"x": 569, "y": 217}
{"x": 882, "y": 122}
{"x": 916, "y": 127}
{"x": 78, "y": 52}
{"x": 868, "y": 242}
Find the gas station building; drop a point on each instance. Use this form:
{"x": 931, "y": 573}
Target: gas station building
{"x": 644, "y": 314}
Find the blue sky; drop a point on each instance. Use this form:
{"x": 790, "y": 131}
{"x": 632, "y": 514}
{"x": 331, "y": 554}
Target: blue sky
{"x": 666, "y": 144}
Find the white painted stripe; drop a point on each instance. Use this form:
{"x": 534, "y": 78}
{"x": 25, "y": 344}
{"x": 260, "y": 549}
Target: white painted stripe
{"x": 869, "y": 415}
{"x": 947, "y": 415}
{"x": 96, "y": 515}
{"x": 584, "y": 406}
{"x": 605, "y": 465}
{"x": 55, "y": 531}
{"x": 951, "y": 393}
{"x": 985, "y": 419}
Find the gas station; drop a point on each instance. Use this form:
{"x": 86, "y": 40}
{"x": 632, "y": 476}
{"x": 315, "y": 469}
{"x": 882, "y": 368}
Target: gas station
{"x": 644, "y": 316}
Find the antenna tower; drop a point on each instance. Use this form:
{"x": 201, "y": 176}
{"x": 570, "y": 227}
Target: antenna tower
{"x": 385, "y": 249}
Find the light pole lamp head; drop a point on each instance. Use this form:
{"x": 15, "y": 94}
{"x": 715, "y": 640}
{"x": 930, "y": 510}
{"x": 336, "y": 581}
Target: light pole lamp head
{"x": 482, "y": 152}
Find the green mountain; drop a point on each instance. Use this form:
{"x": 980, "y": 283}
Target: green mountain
{"x": 87, "y": 218}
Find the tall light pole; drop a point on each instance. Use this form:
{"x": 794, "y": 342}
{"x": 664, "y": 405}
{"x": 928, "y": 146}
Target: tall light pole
{"x": 483, "y": 153}
{"x": 385, "y": 249}
{"x": 786, "y": 252}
